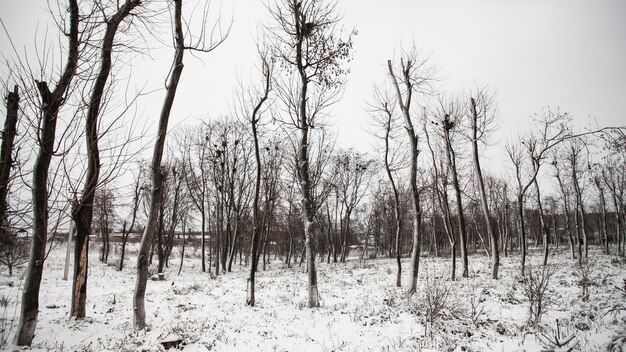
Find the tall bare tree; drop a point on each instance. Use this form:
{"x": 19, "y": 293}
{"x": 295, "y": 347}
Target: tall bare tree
{"x": 353, "y": 173}
{"x": 550, "y": 128}
{"x": 598, "y": 181}
{"x": 565, "y": 198}
{"x": 6, "y": 155}
{"x": 198, "y": 44}
{"x": 252, "y": 105}
{"x": 127, "y": 228}
{"x": 194, "y": 149}
{"x": 51, "y": 102}
{"x": 306, "y": 39}
{"x": 441, "y": 175}
{"x": 574, "y": 150}
{"x": 482, "y": 119}
{"x": 392, "y": 161}
{"x": 416, "y": 76}
{"x": 82, "y": 208}
{"x": 448, "y": 115}
{"x": 14, "y": 251}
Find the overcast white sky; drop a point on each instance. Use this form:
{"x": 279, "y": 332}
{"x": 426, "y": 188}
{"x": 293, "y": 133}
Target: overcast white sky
{"x": 566, "y": 53}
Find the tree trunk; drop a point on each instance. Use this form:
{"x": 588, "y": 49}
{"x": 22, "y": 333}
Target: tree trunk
{"x": 522, "y": 231}
{"x": 605, "y": 236}
{"x": 566, "y": 212}
{"x": 580, "y": 210}
{"x": 82, "y": 211}
{"x": 51, "y": 104}
{"x": 459, "y": 202}
{"x": 203, "y": 236}
{"x": 544, "y": 226}
{"x": 182, "y": 253}
{"x": 255, "y": 211}
{"x": 123, "y": 246}
{"x": 415, "y": 196}
{"x": 396, "y": 198}
{"x": 493, "y": 239}
{"x": 139, "y": 313}
{"x": 6, "y": 157}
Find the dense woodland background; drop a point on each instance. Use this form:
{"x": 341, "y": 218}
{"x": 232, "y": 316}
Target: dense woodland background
{"x": 270, "y": 182}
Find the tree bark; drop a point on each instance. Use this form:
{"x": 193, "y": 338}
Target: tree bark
{"x": 605, "y": 238}
{"x": 51, "y": 104}
{"x": 139, "y": 313}
{"x": 6, "y": 157}
{"x": 82, "y": 211}
{"x": 415, "y": 192}
{"x": 254, "y": 120}
{"x": 447, "y": 125}
{"x": 580, "y": 209}
{"x": 493, "y": 239}
{"x": 566, "y": 212}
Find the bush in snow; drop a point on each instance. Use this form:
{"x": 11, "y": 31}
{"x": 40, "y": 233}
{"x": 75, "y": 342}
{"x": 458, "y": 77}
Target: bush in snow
{"x": 535, "y": 286}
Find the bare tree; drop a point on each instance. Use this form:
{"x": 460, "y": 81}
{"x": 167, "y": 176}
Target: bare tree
{"x": 252, "y": 106}
{"x": 598, "y": 181}
{"x": 353, "y": 173}
{"x": 127, "y": 228}
{"x": 574, "y": 149}
{"x": 305, "y": 39}
{"x": 441, "y": 175}
{"x": 565, "y": 196}
{"x": 384, "y": 107}
{"x": 139, "y": 309}
{"x": 448, "y": 117}
{"x": 195, "y": 155}
{"x": 14, "y": 250}
{"x": 482, "y": 119}
{"x": 615, "y": 181}
{"x": 6, "y": 156}
{"x": 416, "y": 76}
{"x": 82, "y": 208}
{"x": 51, "y": 102}
{"x": 551, "y": 128}
{"x": 105, "y": 216}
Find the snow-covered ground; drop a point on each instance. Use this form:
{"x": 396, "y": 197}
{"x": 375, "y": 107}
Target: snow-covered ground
{"x": 362, "y": 310}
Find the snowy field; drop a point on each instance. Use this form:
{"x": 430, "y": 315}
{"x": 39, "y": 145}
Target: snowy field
{"x": 362, "y": 310}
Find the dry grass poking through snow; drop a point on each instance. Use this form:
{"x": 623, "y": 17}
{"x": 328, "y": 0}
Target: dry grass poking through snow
{"x": 362, "y": 310}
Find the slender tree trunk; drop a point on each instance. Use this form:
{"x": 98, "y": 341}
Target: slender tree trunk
{"x": 139, "y": 313}
{"x": 82, "y": 211}
{"x": 255, "y": 212}
{"x": 618, "y": 225}
{"x": 290, "y": 234}
{"x": 459, "y": 202}
{"x": 125, "y": 234}
{"x": 396, "y": 198}
{"x": 233, "y": 249}
{"x": 51, "y": 104}
{"x": 605, "y": 236}
{"x": 303, "y": 170}
{"x": 415, "y": 196}
{"x": 182, "y": 253}
{"x": 566, "y": 212}
{"x": 203, "y": 235}
{"x": 522, "y": 230}
{"x": 580, "y": 210}
{"x": 6, "y": 157}
{"x": 493, "y": 239}
{"x": 542, "y": 222}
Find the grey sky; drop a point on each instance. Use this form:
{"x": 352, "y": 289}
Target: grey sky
{"x": 566, "y": 53}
